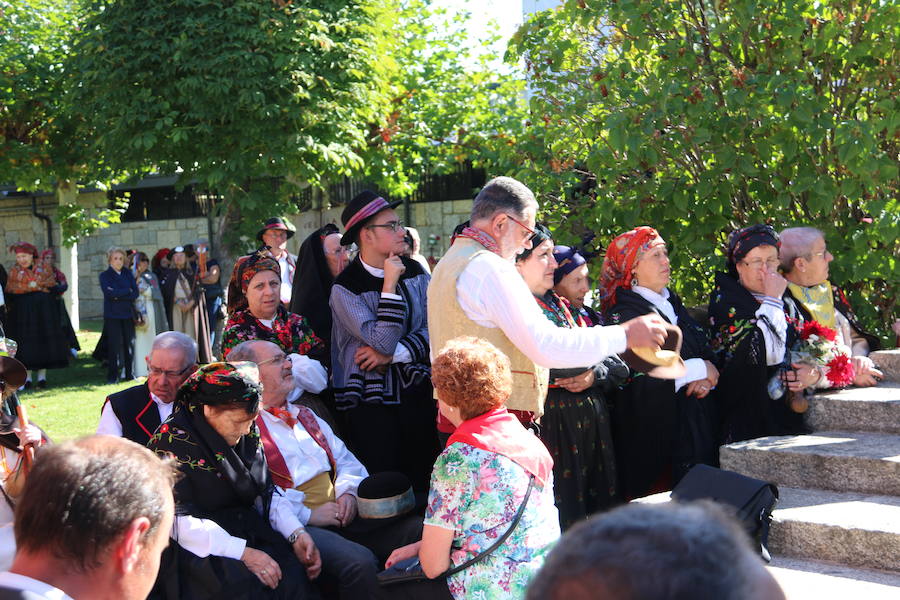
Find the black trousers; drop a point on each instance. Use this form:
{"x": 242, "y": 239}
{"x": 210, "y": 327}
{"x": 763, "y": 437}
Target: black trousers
{"x": 397, "y": 437}
{"x": 120, "y": 336}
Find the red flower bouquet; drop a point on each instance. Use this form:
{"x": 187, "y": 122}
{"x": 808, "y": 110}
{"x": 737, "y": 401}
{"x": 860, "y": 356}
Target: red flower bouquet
{"x": 817, "y": 347}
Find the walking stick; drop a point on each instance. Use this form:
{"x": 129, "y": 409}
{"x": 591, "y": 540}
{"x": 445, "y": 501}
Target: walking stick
{"x": 28, "y": 449}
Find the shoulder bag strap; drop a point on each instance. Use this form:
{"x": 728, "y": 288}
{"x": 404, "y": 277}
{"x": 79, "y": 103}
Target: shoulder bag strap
{"x": 500, "y": 540}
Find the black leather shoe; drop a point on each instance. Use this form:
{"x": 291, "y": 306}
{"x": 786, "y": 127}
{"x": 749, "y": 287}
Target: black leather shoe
{"x": 28, "y": 385}
{"x": 42, "y": 384}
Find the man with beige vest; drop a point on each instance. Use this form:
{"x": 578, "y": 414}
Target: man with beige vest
{"x": 476, "y": 290}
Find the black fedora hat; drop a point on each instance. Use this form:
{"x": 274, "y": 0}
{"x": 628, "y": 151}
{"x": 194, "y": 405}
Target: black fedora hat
{"x": 12, "y": 372}
{"x": 276, "y": 223}
{"x": 664, "y": 363}
{"x": 358, "y": 211}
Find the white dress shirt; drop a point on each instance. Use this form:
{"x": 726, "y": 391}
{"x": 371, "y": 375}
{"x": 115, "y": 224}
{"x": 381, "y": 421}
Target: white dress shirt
{"x": 109, "y": 422}
{"x": 492, "y": 293}
{"x": 401, "y": 353}
{"x": 696, "y": 367}
{"x": 305, "y": 459}
{"x": 14, "y": 581}
{"x": 287, "y": 263}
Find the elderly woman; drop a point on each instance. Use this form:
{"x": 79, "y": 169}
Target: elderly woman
{"x": 752, "y": 339}
{"x": 184, "y": 300}
{"x": 34, "y": 317}
{"x": 575, "y": 426}
{"x": 320, "y": 259}
{"x": 491, "y": 467}
{"x": 810, "y": 296}
{"x": 570, "y": 281}
{"x": 119, "y": 293}
{"x": 663, "y": 426}
{"x": 235, "y": 537}
{"x": 256, "y": 313}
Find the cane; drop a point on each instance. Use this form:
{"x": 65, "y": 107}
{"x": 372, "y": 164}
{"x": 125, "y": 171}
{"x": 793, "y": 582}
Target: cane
{"x": 28, "y": 449}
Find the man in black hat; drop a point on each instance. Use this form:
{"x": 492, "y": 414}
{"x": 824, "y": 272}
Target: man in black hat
{"x": 275, "y": 233}
{"x": 379, "y": 346}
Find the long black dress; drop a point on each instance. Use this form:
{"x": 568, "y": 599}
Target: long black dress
{"x": 660, "y": 433}
{"x": 576, "y": 430}
{"x": 746, "y": 409}
{"x": 222, "y": 483}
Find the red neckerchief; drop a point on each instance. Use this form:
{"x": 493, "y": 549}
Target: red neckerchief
{"x": 499, "y": 431}
{"x": 283, "y": 414}
{"x": 480, "y": 237}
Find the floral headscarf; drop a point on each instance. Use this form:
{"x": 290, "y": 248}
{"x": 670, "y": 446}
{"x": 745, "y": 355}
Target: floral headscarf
{"x": 622, "y": 254}
{"x": 24, "y": 248}
{"x": 223, "y": 383}
{"x": 244, "y": 270}
{"x": 742, "y": 241}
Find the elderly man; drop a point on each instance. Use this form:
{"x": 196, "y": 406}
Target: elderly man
{"x": 379, "y": 346}
{"x": 92, "y": 521}
{"x": 810, "y": 295}
{"x": 135, "y": 413}
{"x": 476, "y": 290}
{"x": 315, "y": 472}
{"x": 641, "y": 551}
{"x": 275, "y": 233}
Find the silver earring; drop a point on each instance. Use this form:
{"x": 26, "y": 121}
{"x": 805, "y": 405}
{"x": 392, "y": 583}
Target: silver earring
{"x": 634, "y": 280}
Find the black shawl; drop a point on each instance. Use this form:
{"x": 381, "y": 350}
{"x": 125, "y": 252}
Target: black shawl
{"x": 747, "y": 411}
{"x": 312, "y": 284}
{"x": 660, "y": 433}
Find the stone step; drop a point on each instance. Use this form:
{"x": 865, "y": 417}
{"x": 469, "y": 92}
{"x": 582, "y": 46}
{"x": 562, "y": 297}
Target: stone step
{"x": 858, "y": 462}
{"x": 888, "y": 361}
{"x": 858, "y": 530}
{"x": 857, "y": 409}
{"x": 820, "y": 580}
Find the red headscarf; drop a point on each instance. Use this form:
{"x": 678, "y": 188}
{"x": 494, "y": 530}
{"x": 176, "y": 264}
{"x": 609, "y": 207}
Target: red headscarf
{"x": 24, "y": 248}
{"x": 244, "y": 270}
{"x": 622, "y": 255}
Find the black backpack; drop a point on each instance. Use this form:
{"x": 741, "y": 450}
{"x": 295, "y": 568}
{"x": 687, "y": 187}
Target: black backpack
{"x": 750, "y": 500}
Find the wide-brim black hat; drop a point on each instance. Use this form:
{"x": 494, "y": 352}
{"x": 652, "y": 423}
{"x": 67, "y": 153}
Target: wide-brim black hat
{"x": 12, "y": 372}
{"x": 277, "y": 223}
{"x": 358, "y": 211}
{"x": 659, "y": 363}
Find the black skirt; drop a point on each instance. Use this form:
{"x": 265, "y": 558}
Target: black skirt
{"x": 576, "y": 430}
{"x": 35, "y": 323}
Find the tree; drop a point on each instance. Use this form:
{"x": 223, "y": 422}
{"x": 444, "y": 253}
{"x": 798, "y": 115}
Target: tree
{"x": 240, "y": 96}
{"x": 700, "y": 116}
{"x": 453, "y": 100}
{"x": 43, "y": 144}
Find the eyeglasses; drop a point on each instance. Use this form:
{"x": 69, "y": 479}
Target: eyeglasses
{"x": 394, "y": 226}
{"x": 156, "y": 372}
{"x": 757, "y": 263}
{"x": 822, "y": 254}
{"x": 281, "y": 357}
{"x": 531, "y": 232}
{"x": 339, "y": 251}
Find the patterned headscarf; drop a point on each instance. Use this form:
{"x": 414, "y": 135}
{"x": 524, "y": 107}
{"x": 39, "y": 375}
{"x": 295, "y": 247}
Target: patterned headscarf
{"x": 742, "y": 241}
{"x": 24, "y": 248}
{"x": 221, "y": 384}
{"x": 244, "y": 270}
{"x": 622, "y": 254}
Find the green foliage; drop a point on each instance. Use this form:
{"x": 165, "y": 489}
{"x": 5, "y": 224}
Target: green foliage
{"x": 77, "y": 221}
{"x": 38, "y": 145}
{"x": 452, "y": 100}
{"x": 701, "y": 116}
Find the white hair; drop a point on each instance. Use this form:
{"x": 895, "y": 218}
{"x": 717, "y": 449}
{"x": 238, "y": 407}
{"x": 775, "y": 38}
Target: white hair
{"x": 797, "y": 242}
{"x": 175, "y": 340}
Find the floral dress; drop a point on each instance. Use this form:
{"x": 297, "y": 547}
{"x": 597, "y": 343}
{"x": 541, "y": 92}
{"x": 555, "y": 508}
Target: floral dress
{"x": 477, "y": 493}
{"x": 289, "y": 331}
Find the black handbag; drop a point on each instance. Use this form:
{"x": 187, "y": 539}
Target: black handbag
{"x": 409, "y": 570}
{"x": 750, "y": 500}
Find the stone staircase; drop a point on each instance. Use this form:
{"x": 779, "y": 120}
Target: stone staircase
{"x": 836, "y": 528}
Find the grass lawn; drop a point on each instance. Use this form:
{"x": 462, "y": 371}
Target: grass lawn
{"x": 70, "y": 406}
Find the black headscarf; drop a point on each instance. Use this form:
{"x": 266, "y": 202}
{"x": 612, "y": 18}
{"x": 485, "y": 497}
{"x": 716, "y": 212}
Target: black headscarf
{"x": 312, "y": 283}
{"x": 541, "y": 234}
{"x": 742, "y": 241}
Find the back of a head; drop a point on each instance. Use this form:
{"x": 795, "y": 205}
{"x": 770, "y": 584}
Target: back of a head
{"x": 654, "y": 552}
{"x": 502, "y": 194}
{"x": 81, "y": 496}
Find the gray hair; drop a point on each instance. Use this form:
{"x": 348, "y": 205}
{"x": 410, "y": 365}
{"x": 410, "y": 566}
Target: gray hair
{"x": 245, "y": 351}
{"x": 113, "y": 250}
{"x": 175, "y": 340}
{"x": 502, "y": 195}
{"x": 797, "y": 242}
{"x": 638, "y": 551}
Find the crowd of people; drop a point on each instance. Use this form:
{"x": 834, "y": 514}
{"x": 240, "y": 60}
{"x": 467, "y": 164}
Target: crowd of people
{"x": 370, "y": 412}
